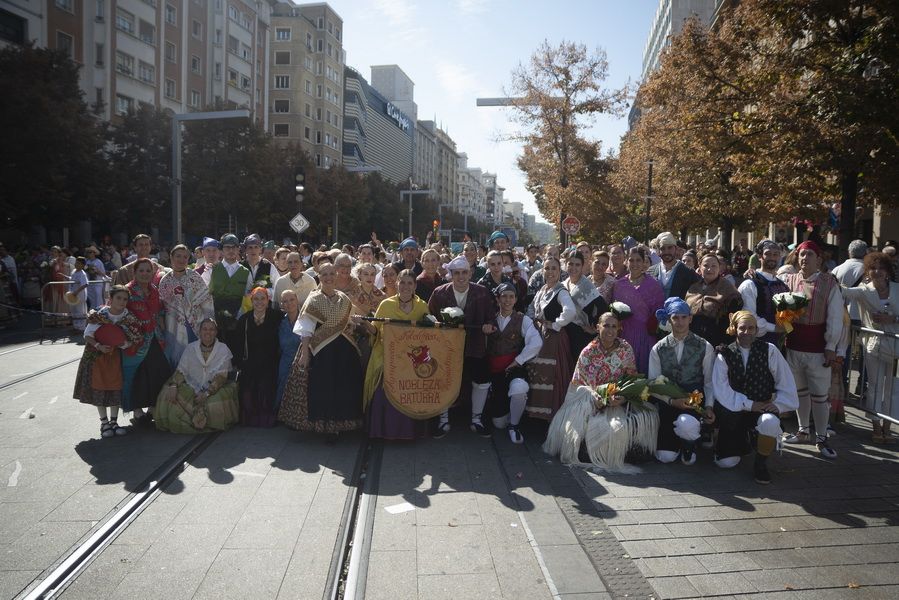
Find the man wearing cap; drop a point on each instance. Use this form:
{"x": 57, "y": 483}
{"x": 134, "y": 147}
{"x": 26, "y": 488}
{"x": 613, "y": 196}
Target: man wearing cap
{"x": 262, "y": 273}
{"x": 95, "y": 270}
{"x": 477, "y": 304}
{"x": 758, "y": 291}
{"x": 498, "y": 241}
{"x": 268, "y": 251}
{"x": 675, "y": 277}
{"x": 753, "y": 385}
{"x": 812, "y": 345}
{"x": 514, "y": 342}
{"x": 229, "y": 282}
{"x": 686, "y": 359}
{"x": 409, "y": 252}
{"x": 212, "y": 255}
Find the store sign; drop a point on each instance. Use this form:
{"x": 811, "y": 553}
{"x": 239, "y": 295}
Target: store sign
{"x": 401, "y": 120}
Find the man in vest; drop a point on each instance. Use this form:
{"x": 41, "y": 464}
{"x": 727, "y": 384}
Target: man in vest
{"x": 675, "y": 277}
{"x": 513, "y": 342}
{"x": 262, "y": 272}
{"x": 685, "y": 359}
{"x": 753, "y": 385}
{"x": 477, "y": 304}
{"x": 229, "y": 283}
{"x": 758, "y": 291}
{"x": 811, "y": 346}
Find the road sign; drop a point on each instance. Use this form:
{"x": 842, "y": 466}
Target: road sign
{"x": 299, "y": 223}
{"x": 571, "y": 225}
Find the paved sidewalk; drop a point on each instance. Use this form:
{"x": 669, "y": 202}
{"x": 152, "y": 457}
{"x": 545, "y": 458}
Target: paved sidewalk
{"x": 255, "y": 516}
{"x": 821, "y": 530}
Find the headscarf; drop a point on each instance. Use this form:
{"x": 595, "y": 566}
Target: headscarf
{"x": 495, "y": 236}
{"x": 673, "y": 306}
{"x": 408, "y": 243}
{"x": 809, "y": 245}
{"x": 458, "y": 263}
{"x": 505, "y": 287}
{"x": 740, "y": 315}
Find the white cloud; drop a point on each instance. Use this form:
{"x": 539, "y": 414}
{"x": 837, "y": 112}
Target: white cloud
{"x": 403, "y": 18}
{"x": 458, "y": 82}
{"x": 471, "y": 7}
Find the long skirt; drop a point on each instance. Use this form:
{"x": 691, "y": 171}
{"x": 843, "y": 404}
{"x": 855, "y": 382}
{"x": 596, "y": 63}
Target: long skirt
{"x": 99, "y": 379}
{"x": 258, "y": 398}
{"x": 326, "y": 396}
{"x": 178, "y": 411}
{"x": 387, "y": 423}
{"x": 144, "y": 378}
{"x": 549, "y": 374}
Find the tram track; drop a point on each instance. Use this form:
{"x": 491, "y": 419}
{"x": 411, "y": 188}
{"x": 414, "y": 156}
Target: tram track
{"x": 38, "y": 373}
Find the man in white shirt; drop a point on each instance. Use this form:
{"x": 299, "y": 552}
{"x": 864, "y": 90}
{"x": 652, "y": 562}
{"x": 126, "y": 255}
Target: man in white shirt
{"x": 514, "y": 342}
{"x": 295, "y": 279}
{"x": 686, "y": 360}
{"x": 753, "y": 385}
{"x": 674, "y": 276}
{"x": 757, "y": 291}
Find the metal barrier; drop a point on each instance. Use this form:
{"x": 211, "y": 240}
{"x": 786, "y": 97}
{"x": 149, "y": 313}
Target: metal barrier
{"x": 874, "y": 356}
{"x": 56, "y": 315}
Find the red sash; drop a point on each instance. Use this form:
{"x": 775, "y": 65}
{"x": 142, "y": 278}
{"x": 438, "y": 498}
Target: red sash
{"x": 498, "y": 364}
{"x": 807, "y": 338}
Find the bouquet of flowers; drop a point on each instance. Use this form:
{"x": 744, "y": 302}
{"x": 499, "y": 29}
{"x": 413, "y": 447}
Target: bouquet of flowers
{"x": 789, "y": 306}
{"x": 452, "y": 316}
{"x": 634, "y": 388}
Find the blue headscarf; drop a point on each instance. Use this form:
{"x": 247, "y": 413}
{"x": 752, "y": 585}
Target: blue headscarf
{"x": 408, "y": 243}
{"x": 672, "y": 306}
{"x": 495, "y": 236}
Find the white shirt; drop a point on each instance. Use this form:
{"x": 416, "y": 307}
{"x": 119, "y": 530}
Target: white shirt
{"x": 461, "y": 298}
{"x": 302, "y": 287}
{"x": 750, "y": 292}
{"x": 569, "y": 310}
{"x": 708, "y": 361}
{"x": 849, "y": 274}
{"x": 533, "y": 341}
{"x": 785, "y": 396}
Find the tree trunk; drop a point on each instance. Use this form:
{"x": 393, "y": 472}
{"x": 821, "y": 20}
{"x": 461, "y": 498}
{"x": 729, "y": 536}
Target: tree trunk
{"x": 849, "y": 189}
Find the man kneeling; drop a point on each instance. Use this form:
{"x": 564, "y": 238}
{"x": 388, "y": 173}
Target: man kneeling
{"x": 753, "y": 384}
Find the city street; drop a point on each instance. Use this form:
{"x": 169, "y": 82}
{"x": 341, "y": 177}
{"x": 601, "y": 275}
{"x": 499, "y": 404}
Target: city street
{"x": 259, "y": 513}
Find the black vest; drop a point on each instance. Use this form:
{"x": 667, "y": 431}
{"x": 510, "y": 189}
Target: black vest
{"x": 755, "y": 381}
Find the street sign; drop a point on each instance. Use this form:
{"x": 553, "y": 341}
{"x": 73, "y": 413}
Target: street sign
{"x": 571, "y": 225}
{"x": 299, "y": 223}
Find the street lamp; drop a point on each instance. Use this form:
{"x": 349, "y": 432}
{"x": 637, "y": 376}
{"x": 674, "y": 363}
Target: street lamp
{"x": 240, "y": 113}
{"x": 411, "y": 193}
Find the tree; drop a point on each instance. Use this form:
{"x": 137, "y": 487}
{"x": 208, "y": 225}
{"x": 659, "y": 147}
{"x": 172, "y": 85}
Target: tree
{"x": 51, "y": 164}
{"x": 556, "y": 96}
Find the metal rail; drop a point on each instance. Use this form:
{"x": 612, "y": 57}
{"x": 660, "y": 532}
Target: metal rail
{"x": 38, "y": 373}
{"x": 72, "y": 566}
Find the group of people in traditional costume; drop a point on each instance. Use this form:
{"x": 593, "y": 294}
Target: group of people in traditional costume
{"x": 206, "y": 346}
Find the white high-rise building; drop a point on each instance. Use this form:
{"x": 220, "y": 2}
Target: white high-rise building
{"x": 668, "y": 22}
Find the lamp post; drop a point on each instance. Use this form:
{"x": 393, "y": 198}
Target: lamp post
{"x": 240, "y": 113}
{"x": 411, "y": 193}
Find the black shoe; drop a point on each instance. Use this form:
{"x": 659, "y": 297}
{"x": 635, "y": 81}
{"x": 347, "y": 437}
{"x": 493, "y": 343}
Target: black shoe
{"x": 441, "y": 430}
{"x": 688, "y": 453}
{"x": 142, "y": 420}
{"x": 480, "y": 429}
{"x": 515, "y": 435}
{"x": 760, "y": 470}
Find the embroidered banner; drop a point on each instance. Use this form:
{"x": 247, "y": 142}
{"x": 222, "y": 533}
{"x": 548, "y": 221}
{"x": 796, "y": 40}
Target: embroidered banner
{"x": 422, "y": 368}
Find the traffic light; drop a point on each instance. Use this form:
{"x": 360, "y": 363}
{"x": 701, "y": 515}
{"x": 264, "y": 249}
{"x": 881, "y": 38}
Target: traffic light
{"x": 300, "y": 183}
{"x": 436, "y": 225}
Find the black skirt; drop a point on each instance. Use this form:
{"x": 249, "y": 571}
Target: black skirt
{"x": 152, "y": 373}
{"x": 335, "y": 384}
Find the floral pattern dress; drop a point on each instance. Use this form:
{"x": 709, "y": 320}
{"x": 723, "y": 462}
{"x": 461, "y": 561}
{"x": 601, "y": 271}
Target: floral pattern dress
{"x": 596, "y": 366}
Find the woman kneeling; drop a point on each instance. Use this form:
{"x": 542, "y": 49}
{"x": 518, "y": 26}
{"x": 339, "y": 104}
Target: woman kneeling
{"x": 199, "y": 397}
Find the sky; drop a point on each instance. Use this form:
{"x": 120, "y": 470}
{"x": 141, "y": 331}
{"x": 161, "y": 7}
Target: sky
{"x": 458, "y": 50}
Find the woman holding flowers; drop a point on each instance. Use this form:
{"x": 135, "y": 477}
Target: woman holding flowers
{"x": 596, "y": 412}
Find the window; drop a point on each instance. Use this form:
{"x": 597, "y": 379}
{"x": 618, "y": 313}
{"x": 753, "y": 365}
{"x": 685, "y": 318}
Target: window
{"x": 170, "y": 51}
{"x": 218, "y": 37}
{"x": 318, "y": 90}
{"x": 318, "y": 67}
{"x": 282, "y": 106}
{"x": 282, "y": 82}
{"x": 308, "y": 87}
{"x": 195, "y": 64}
{"x": 318, "y": 114}
{"x": 245, "y": 52}
{"x": 321, "y": 45}
{"x": 328, "y": 117}
{"x": 306, "y": 132}
{"x": 320, "y": 24}
{"x": 245, "y": 83}
{"x": 233, "y": 44}
{"x": 282, "y": 58}
{"x": 101, "y": 11}
{"x": 337, "y": 33}
{"x": 330, "y": 27}
{"x": 327, "y": 139}
{"x": 125, "y": 21}
{"x": 232, "y": 77}
{"x": 330, "y": 49}
{"x": 66, "y": 43}
{"x": 281, "y": 129}
{"x": 218, "y": 71}
{"x": 233, "y": 13}
{"x": 169, "y": 88}
{"x": 308, "y": 62}
{"x": 308, "y": 110}
{"x": 66, "y": 5}
{"x": 196, "y": 29}
{"x": 171, "y": 14}
{"x": 148, "y": 33}
{"x": 195, "y": 99}
{"x": 98, "y": 100}
{"x": 123, "y": 104}
{"x": 309, "y": 40}
{"x": 150, "y": 2}
{"x": 124, "y": 63}
{"x": 327, "y": 160}
{"x": 282, "y": 34}
{"x": 318, "y": 160}
{"x": 98, "y": 54}
{"x": 146, "y": 72}
{"x": 318, "y": 137}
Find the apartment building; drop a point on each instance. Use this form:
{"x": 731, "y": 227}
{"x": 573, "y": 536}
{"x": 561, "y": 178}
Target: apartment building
{"x": 493, "y": 195}
{"x": 472, "y": 196}
{"x": 306, "y": 81}
{"x": 180, "y": 55}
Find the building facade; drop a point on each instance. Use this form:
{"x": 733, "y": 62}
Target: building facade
{"x": 493, "y": 198}
{"x": 376, "y": 134}
{"x": 668, "y": 22}
{"x": 179, "y": 55}
{"x": 472, "y": 197}
{"x": 307, "y": 63}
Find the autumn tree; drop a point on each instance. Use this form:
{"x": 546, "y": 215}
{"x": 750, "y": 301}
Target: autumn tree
{"x": 556, "y": 96}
